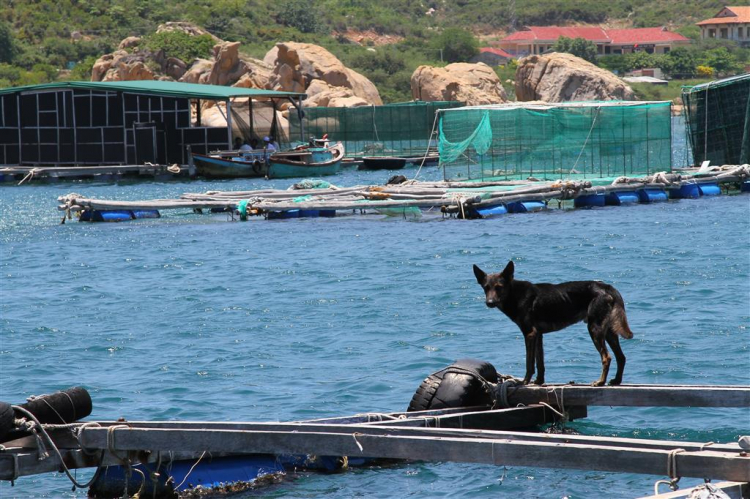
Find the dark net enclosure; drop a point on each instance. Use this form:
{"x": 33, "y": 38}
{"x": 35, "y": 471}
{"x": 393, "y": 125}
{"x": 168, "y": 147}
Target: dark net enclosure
{"x": 401, "y": 129}
{"x": 718, "y": 119}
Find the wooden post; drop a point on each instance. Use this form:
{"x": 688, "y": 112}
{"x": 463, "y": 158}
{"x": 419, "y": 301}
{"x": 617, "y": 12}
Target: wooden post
{"x": 229, "y": 124}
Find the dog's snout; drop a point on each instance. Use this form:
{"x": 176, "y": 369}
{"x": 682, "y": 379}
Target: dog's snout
{"x": 490, "y": 303}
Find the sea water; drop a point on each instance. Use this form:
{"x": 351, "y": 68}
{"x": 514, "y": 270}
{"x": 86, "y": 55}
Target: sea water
{"x": 196, "y": 317}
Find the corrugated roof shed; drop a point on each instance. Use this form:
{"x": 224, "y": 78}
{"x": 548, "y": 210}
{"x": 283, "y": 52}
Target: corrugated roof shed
{"x": 157, "y": 87}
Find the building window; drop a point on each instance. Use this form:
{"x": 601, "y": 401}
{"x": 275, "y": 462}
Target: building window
{"x": 617, "y": 51}
{"x": 739, "y": 33}
{"x": 724, "y": 33}
{"x": 666, "y": 50}
{"x": 607, "y": 49}
{"x": 712, "y": 33}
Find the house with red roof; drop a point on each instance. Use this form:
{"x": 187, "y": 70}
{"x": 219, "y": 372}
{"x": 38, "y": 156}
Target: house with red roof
{"x": 539, "y": 39}
{"x": 492, "y": 56}
{"x": 731, "y": 23}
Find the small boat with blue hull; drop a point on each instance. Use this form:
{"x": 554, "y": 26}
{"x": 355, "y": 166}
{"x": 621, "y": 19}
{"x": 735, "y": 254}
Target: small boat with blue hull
{"x": 311, "y": 160}
{"x": 231, "y": 164}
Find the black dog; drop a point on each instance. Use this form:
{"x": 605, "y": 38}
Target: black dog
{"x": 543, "y": 308}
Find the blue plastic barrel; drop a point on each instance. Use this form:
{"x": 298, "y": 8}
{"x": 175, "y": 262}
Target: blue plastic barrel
{"x": 283, "y": 215}
{"x": 309, "y": 213}
{"x": 146, "y": 214}
{"x": 526, "y": 206}
{"x": 106, "y": 215}
{"x": 652, "y": 195}
{"x": 621, "y": 198}
{"x": 710, "y": 189}
{"x": 745, "y": 187}
{"x": 686, "y": 191}
{"x": 490, "y": 211}
{"x": 328, "y": 213}
{"x": 589, "y": 200}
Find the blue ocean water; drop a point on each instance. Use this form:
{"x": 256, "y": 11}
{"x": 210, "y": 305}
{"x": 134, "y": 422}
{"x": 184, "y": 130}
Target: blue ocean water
{"x": 195, "y": 317}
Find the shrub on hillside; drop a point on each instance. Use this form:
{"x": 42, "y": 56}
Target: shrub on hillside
{"x": 456, "y": 44}
{"x": 180, "y": 45}
{"x": 579, "y": 47}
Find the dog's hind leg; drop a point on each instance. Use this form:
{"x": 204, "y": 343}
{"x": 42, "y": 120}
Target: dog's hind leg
{"x": 614, "y": 344}
{"x": 597, "y": 336}
{"x": 539, "y": 351}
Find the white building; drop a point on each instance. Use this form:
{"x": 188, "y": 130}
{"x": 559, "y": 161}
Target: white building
{"x": 731, "y": 23}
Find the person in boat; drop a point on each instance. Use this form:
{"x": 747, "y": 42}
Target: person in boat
{"x": 269, "y": 145}
{"x": 246, "y": 147}
{"x": 237, "y": 143}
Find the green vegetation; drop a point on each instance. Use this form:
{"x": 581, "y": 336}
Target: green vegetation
{"x": 671, "y": 91}
{"x": 44, "y": 40}
{"x": 579, "y": 47}
{"x": 456, "y": 44}
{"x": 180, "y": 45}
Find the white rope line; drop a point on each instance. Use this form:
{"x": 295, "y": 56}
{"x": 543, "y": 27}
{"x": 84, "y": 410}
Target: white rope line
{"x": 593, "y": 122}
{"x": 427, "y": 151}
{"x": 190, "y": 470}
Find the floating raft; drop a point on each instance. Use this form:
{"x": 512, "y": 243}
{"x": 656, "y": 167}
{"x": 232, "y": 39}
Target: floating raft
{"x": 140, "y": 456}
{"x": 460, "y": 199}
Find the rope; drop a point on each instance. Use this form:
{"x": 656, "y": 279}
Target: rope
{"x": 29, "y": 415}
{"x": 672, "y": 470}
{"x": 593, "y": 122}
{"x": 354, "y": 436}
{"x": 191, "y": 470}
{"x": 427, "y": 151}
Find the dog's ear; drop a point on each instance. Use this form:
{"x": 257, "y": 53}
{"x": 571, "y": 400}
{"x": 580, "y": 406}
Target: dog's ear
{"x": 480, "y": 275}
{"x": 508, "y": 271}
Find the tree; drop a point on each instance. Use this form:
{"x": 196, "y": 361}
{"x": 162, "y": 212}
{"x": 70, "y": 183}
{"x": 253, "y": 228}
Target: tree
{"x": 8, "y": 46}
{"x": 456, "y": 45}
{"x": 579, "y": 47}
{"x": 681, "y": 61}
{"x": 722, "y": 61}
{"x": 301, "y": 14}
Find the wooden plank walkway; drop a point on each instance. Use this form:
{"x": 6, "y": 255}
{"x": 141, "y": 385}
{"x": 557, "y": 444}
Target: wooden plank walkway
{"x": 556, "y": 452}
{"x": 633, "y": 395}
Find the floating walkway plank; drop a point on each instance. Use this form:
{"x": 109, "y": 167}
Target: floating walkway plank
{"x": 633, "y": 395}
{"x": 498, "y": 451}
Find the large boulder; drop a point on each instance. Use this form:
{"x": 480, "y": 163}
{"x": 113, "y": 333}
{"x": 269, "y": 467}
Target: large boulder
{"x": 321, "y": 94}
{"x": 198, "y": 71}
{"x": 189, "y": 28}
{"x": 471, "y": 83}
{"x": 561, "y": 77}
{"x": 228, "y": 67}
{"x": 121, "y": 66}
{"x": 297, "y": 65}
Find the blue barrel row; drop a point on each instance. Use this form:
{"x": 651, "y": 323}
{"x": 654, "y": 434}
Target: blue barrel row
{"x": 117, "y": 215}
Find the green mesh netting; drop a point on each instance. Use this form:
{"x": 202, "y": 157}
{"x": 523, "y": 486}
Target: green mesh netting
{"x": 718, "y": 120}
{"x": 573, "y": 140}
{"x": 402, "y": 129}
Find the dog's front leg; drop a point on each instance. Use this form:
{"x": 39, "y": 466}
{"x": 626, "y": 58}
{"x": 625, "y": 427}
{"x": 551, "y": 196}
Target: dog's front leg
{"x": 539, "y": 352}
{"x": 530, "y": 338}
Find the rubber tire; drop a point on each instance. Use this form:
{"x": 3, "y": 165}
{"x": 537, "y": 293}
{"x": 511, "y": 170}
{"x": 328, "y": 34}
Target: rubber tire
{"x": 453, "y": 387}
{"x": 7, "y": 420}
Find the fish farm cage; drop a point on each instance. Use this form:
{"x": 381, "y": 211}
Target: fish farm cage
{"x": 400, "y": 129}
{"x": 568, "y": 140}
{"x": 718, "y": 119}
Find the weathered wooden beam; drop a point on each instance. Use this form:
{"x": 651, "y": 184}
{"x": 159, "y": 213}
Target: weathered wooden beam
{"x": 735, "y": 490}
{"x": 497, "y": 451}
{"x": 633, "y": 395}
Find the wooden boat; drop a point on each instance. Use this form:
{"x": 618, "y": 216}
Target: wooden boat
{"x": 316, "y": 159}
{"x": 382, "y": 163}
{"x": 231, "y": 164}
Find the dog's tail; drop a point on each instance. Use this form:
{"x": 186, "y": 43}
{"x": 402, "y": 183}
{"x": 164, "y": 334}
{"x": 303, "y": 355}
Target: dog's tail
{"x": 618, "y": 318}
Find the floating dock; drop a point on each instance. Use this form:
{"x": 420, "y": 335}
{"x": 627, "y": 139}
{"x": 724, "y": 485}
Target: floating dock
{"x": 145, "y": 453}
{"x": 467, "y": 200}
